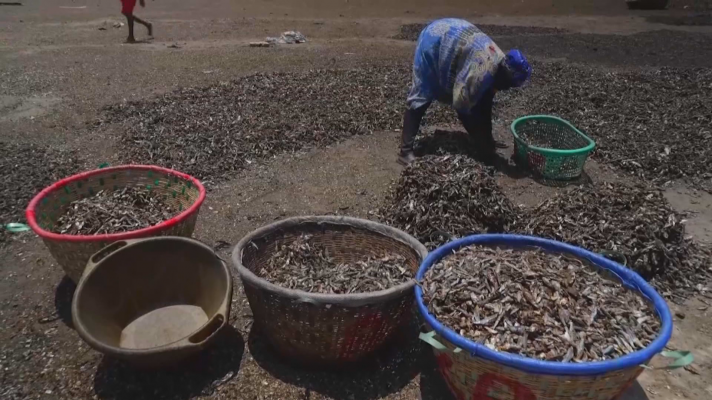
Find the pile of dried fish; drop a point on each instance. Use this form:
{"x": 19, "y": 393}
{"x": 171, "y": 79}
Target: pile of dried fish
{"x": 441, "y": 197}
{"x": 412, "y": 31}
{"x": 633, "y": 225}
{"x": 539, "y": 305}
{"x": 307, "y": 266}
{"x": 409, "y": 32}
{"x": 659, "y": 48}
{"x": 25, "y": 169}
{"x": 701, "y": 18}
{"x": 210, "y": 132}
{"x": 653, "y": 48}
{"x": 122, "y": 210}
{"x": 648, "y": 123}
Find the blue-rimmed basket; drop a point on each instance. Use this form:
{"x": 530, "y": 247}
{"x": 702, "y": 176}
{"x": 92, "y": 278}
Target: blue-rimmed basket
{"x": 473, "y": 371}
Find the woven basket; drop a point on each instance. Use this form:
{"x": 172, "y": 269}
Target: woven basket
{"x": 73, "y": 251}
{"x": 473, "y": 371}
{"x": 569, "y": 147}
{"x": 315, "y": 328}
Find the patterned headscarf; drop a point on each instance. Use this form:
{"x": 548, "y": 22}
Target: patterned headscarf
{"x": 517, "y": 67}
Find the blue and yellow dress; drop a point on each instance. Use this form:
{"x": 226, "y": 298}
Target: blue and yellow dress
{"x": 454, "y": 63}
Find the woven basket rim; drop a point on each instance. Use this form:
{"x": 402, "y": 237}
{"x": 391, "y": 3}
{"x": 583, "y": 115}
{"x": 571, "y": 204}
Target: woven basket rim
{"x": 348, "y": 300}
{"x": 580, "y": 151}
{"x": 630, "y": 279}
{"x": 30, "y": 213}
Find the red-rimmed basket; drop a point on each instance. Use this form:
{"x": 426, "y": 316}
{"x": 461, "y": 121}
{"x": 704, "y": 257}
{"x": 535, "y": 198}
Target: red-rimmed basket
{"x": 73, "y": 251}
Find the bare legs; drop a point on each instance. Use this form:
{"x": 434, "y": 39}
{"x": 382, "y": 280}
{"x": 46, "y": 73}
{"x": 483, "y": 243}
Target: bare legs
{"x": 130, "y": 18}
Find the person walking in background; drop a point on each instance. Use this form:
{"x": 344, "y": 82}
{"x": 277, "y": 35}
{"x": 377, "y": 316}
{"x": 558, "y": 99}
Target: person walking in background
{"x": 127, "y": 7}
{"x": 457, "y": 64}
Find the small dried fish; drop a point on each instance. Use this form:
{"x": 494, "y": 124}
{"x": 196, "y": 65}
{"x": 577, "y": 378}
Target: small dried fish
{"x": 412, "y": 31}
{"x": 122, "y": 210}
{"x": 546, "y": 321}
{"x": 631, "y": 224}
{"x": 452, "y": 194}
{"x": 307, "y": 266}
{"x": 24, "y": 169}
{"x": 212, "y": 131}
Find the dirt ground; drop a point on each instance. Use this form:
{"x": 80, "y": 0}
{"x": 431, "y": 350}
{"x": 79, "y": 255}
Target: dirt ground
{"x": 62, "y": 61}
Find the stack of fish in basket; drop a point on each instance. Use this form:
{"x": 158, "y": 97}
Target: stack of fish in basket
{"x": 535, "y": 318}
{"x": 181, "y": 193}
{"x": 328, "y": 290}
{"x": 531, "y": 317}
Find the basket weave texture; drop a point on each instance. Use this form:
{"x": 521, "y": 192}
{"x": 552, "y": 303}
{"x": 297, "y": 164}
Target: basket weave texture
{"x": 72, "y": 252}
{"x": 473, "y": 371}
{"x": 315, "y": 328}
{"x": 564, "y": 156}
{"x": 472, "y": 377}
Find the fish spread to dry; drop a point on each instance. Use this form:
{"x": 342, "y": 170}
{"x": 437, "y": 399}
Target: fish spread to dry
{"x": 261, "y": 116}
{"x": 649, "y": 123}
{"x": 106, "y": 212}
{"x": 438, "y": 198}
{"x": 306, "y": 265}
{"x": 631, "y": 224}
{"x": 541, "y": 305}
{"x": 441, "y": 197}
{"x": 25, "y": 169}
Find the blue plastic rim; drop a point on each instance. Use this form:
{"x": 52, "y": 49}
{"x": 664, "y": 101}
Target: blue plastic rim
{"x": 628, "y": 278}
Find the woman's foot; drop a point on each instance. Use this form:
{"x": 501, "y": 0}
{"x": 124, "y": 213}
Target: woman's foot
{"x": 149, "y": 26}
{"x": 406, "y": 158}
{"x": 131, "y": 39}
{"x": 500, "y": 145}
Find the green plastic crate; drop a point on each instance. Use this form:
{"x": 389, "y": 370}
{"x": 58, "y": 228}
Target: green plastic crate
{"x": 550, "y": 147}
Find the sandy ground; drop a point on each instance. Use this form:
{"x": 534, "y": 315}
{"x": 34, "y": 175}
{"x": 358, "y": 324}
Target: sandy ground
{"x": 57, "y": 69}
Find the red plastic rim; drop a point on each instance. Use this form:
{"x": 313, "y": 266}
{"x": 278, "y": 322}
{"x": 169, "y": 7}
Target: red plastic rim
{"x": 32, "y": 220}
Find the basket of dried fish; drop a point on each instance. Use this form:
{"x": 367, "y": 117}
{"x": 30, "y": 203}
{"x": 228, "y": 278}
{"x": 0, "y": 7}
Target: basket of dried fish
{"x": 80, "y": 215}
{"x": 328, "y": 290}
{"x": 538, "y": 318}
{"x": 550, "y": 147}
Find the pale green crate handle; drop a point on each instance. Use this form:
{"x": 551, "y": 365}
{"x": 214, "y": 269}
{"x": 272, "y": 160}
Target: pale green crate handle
{"x": 16, "y": 227}
{"x": 682, "y": 359}
{"x": 429, "y": 338}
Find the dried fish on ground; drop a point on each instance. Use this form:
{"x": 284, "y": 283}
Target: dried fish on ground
{"x": 649, "y": 123}
{"x": 541, "y": 305}
{"x": 122, "y": 210}
{"x": 412, "y": 31}
{"x": 633, "y": 225}
{"x": 441, "y": 197}
{"x": 25, "y": 169}
{"x": 305, "y": 265}
{"x": 212, "y": 131}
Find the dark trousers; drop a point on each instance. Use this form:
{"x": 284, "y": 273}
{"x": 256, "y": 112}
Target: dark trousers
{"x": 478, "y": 125}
